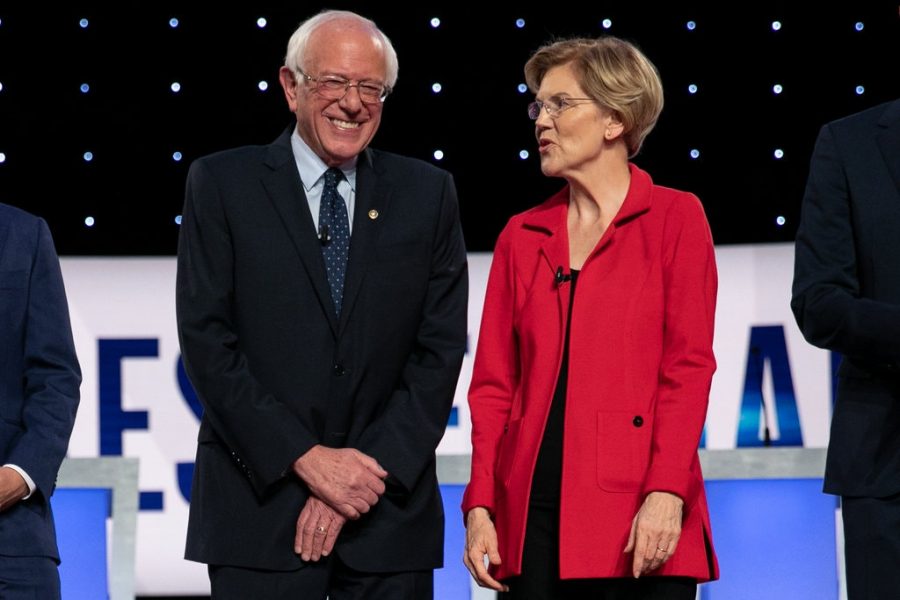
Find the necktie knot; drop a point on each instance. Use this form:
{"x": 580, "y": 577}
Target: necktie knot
{"x": 333, "y": 177}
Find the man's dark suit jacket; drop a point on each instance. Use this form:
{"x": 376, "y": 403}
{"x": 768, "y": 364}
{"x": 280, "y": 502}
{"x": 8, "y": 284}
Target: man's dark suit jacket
{"x": 277, "y": 372}
{"x": 846, "y": 294}
{"x": 39, "y": 377}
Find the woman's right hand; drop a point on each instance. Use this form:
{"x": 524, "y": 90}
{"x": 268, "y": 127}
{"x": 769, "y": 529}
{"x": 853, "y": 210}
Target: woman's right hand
{"x": 481, "y": 540}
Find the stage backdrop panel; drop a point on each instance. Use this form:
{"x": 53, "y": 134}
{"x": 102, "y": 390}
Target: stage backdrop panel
{"x": 136, "y": 401}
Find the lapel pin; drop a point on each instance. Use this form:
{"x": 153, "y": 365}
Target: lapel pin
{"x": 373, "y": 214}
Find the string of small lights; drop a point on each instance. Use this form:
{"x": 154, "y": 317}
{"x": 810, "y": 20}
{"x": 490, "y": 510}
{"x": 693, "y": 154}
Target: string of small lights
{"x": 102, "y": 111}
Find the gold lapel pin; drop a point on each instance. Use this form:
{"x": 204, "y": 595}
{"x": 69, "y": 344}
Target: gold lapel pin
{"x": 373, "y": 214}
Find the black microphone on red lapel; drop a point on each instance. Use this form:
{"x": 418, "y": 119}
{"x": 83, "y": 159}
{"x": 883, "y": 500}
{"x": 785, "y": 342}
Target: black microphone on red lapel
{"x": 561, "y": 277}
{"x": 324, "y": 238}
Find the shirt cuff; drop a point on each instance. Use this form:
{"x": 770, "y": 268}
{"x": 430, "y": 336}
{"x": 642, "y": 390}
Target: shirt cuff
{"x": 28, "y": 480}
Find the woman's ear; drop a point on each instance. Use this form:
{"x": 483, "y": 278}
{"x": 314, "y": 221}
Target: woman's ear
{"x": 614, "y": 128}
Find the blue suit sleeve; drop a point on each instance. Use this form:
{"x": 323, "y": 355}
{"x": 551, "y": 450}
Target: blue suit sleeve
{"x": 51, "y": 375}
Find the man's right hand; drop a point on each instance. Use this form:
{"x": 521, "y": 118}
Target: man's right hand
{"x": 345, "y": 478}
{"x": 12, "y": 487}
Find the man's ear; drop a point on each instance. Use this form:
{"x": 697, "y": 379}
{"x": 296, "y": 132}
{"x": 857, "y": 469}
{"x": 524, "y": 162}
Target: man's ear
{"x": 291, "y": 87}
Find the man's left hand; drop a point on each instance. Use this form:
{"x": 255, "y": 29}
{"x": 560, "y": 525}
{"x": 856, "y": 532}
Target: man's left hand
{"x": 12, "y": 487}
{"x": 317, "y": 529}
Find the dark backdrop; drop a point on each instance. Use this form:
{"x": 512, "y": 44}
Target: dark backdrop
{"x": 133, "y": 123}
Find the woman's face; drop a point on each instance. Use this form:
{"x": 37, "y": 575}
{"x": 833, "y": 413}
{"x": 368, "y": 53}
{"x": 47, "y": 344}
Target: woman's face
{"x": 571, "y": 140}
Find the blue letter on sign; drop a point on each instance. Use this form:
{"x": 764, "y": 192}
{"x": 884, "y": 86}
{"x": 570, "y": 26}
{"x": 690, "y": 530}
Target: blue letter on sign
{"x": 114, "y": 420}
{"x": 185, "y": 470}
{"x": 768, "y": 347}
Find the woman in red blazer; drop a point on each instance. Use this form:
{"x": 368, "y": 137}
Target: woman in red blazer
{"x": 588, "y": 405}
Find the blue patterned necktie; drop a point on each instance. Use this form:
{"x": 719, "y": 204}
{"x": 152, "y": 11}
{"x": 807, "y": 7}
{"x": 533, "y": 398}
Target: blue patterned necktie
{"x": 334, "y": 232}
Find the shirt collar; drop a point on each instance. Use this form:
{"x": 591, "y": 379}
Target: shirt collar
{"x": 311, "y": 167}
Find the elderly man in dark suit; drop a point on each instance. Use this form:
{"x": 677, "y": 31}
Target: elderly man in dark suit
{"x": 39, "y": 393}
{"x": 846, "y": 298}
{"x": 321, "y": 295}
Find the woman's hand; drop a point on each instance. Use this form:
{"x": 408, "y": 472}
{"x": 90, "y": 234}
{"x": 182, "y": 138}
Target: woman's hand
{"x": 655, "y": 531}
{"x": 481, "y": 540}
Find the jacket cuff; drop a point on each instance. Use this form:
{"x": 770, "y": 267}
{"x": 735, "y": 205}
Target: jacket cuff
{"x": 479, "y": 492}
{"x": 681, "y": 482}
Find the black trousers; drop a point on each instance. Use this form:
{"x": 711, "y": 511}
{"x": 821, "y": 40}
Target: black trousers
{"x": 872, "y": 547}
{"x": 540, "y": 572}
{"x": 28, "y": 577}
{"x": 328, "y": 577}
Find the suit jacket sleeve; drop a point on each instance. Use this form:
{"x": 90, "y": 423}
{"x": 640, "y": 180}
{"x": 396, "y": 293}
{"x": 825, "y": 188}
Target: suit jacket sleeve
{"x": 404, "y": 437}
{"x": 261, "y": 432}
{"x": 51, "y": 376}
{"x": 685, "y": 376}
{"x": 495, "y": 376}
{"x": 826, "y": 292}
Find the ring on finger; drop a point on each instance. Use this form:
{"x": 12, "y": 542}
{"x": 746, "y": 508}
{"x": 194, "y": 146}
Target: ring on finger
{"x": 320, "y": 529}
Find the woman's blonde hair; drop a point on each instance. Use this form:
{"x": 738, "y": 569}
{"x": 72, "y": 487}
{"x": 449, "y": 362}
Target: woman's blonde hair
{"x": 611, "y": 71}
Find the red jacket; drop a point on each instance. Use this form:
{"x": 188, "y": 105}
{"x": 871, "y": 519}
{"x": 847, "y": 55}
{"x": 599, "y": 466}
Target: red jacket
{"x": 641, "y": 362}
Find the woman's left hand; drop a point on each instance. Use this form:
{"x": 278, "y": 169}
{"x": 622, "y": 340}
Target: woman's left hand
{"x": 655, "y": 531}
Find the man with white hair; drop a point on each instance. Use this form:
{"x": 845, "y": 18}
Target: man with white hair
{"x": 322, "y": 290}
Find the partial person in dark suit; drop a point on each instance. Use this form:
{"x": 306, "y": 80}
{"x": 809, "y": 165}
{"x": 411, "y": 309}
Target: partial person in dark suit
{"x": 39, "y": 393}
{"x": 846, "y": 298}
{"x": 321, "y": 297}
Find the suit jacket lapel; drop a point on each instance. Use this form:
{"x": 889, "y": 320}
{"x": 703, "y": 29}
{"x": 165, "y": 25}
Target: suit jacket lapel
{"x": 285, "y": 190}
{"x": 372, "y": 195}
{"x": 889, "y": 141}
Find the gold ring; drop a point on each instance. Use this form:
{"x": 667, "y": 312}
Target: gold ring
{"x": 320, "y": 529}
{"x": 662, "y": 550}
